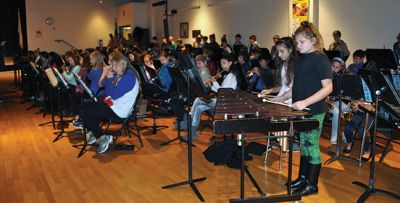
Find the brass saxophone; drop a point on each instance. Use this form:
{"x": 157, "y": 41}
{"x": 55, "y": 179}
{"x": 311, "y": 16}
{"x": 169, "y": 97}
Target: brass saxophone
{"x": 348, "y": 115}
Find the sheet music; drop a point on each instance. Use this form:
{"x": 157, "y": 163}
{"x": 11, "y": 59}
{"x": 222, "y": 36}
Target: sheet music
{"x": 82, "y": 84}
{"x": 396, "y": 81}
{"x": 60, "y": 77}
{"x": 367, "y": 92}
{"x": 52, "y": 78}
{"x": 33, "y": 66}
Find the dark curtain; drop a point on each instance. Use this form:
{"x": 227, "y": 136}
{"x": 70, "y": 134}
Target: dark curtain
{"x": 9, "y": 25}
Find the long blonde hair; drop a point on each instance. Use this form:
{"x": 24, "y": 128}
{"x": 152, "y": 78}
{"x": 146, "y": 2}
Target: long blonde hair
{"x": 122, "y": 62}
{"x": 98, "y": 58}
{"x": 310, "y": 32}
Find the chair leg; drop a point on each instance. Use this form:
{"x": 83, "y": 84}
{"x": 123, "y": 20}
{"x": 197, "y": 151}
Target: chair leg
{"x": 385, "y": 150}
{"x": 138, "y": 134}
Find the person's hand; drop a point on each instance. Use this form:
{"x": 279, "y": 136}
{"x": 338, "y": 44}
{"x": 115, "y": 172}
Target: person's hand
{"x": 299, "y": 105}
{"x": 109, "y": 72}
{"x": 265, "y": 92}
{"x": 278, "y": 99}
{"x": 256, "y": 71}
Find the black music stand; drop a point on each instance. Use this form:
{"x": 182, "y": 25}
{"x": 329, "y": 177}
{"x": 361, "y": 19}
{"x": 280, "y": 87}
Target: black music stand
{"x": 60, "y": 106}
{"x": 384, "y": 58}
{"x": 36, "y": 78}
{"x": 156, "y": 82}
{"x": 190, "y": 181}
{"x": 350, "y": 87}
{"x": 94, "y": 99}
{"x": 51, "y": 93}
{"x": 383, "y": 91}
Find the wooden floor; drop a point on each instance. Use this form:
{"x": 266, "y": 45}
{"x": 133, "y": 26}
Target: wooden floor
{"x": 34, "y": 169}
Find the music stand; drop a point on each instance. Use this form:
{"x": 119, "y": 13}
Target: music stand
{"x": 60, "y": 108}
{"x": 383, "y": 92}
{"x": 95, "y": 99}
{"x": 52, "y": 83}
{"x": 36, "y": 87}
{"x": 190, "y": 181}
{"x": 384, "y": 58}
{"x": 350, "y": 87}
{"x": 332, "y": 54}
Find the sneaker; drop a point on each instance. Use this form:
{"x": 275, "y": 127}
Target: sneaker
{"x": 75, "y": 121}
{"x": 78, "y": 125}
{"x": 333, "y": 140}
{"x": 143, "y": 115}
{"x": 104, "y": 143}
{"x": 91, "y": 138}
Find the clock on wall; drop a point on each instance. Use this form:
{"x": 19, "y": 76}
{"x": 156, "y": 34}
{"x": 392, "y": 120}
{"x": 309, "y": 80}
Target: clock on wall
{"x": 49, "y": 21}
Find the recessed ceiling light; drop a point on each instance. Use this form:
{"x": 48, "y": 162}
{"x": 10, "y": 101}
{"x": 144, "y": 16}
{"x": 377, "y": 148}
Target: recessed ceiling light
{"x": 101, "y": 1}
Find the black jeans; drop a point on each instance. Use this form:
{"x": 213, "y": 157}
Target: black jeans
{"x": 93, "y": 113}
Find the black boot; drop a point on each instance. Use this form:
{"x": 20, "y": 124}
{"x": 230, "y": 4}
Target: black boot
{"x": 301, "y": 180}
{"x": 311, "y": 186}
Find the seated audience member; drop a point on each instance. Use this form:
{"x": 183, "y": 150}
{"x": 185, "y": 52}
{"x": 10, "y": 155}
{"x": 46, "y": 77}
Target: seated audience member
{"x": 358, "y": 62}
{"x": 225, "y": 46}
{"x": 230, "y": 81}
{"x": 253, "y": 44}
{"x": 121, "y": 90}
{"x": 201, "y": 63}
{"x": 263, "y": 77}
{"x": 338, "y": 67}
{"x": 243, "y": 61}
{"x": 238, "y": 39}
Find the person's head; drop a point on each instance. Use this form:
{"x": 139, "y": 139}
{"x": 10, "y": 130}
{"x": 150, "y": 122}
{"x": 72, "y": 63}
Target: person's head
{"x": 171, "y": 39}
{"x": 84, "y": 60}
{"x": 212, "y": 38}
{"x": 238, "y": 37}
{"x": 164, "y": 40}
{"x": 285, "y": 48}
{"x": 119, "y": 62}
{"x": 275, "y": 38}
{"x": 198, "y": 39}
{"x": 96, "y": 60}
{"x": 201, "y": 61}
{"x": 226, "y": 61}
{"x": 179, "y": 41}
{"x": 256, "y": 53}
{"x": 336, "y": 35}
{"x": 308, "y": 38}
{"x": 337, "y": 64}
{"x": 358, "y": 56}
{"x": 164, "y": 57}
{"x": 148, "y": 60}
{"x": 264, "y": 59}
{"x": 72, "y": 59}
{"x": 252, "y": 39}
{"x": 243, "y": 57}
{"x": 205, "y": 39}
{"x": 154, "y": 39}
{"x": 224, "y": 42}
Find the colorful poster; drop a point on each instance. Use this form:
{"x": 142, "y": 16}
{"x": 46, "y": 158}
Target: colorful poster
{"x": 300, "y": 13}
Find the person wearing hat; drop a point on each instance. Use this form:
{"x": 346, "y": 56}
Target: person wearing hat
{"x": 338, "y": 68}
{"x": 230, "y": 80}
{"x": 263, "y": 77}
{"x": 339, "y": 45}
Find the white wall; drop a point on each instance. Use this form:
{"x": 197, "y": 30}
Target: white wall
{"x": 135, "y": 15}
{"x": 363, "y": 23}
{"x": 264, "y": 18}
{"x": 79, "y": 22}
